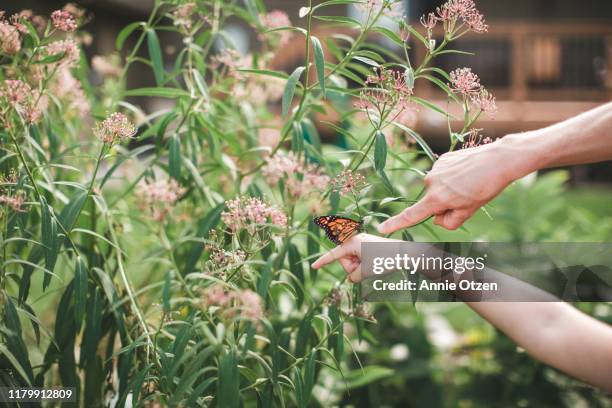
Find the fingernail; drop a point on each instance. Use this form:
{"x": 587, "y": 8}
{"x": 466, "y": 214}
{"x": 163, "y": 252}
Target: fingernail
{"x": 381, "y": 228}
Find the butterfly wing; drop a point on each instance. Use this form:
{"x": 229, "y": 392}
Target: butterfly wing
{"x": 338, "y": 229}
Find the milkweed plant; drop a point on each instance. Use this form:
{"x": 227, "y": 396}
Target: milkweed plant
{"x": 161, "y": 255}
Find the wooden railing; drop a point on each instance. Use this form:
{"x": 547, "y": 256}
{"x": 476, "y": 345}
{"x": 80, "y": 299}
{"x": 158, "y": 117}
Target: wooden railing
{"x": 540, "y": 61}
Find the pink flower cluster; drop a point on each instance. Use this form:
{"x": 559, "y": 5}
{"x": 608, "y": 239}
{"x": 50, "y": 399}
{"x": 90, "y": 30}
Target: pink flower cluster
{"x": 10, "y": 40}
{"x": 159, "y": 197}
{"x": 221, "y": 259}
{"x": 276, "y": 19}
{"x": 234, "y": 302}
{"x": 391, "y": 9}
{"x": 63, "y": 20}
{"x": 467, "y": 83}
{"x": 388, "y": 93}
{"x": 115, "y": 127}
{"x": 182, "y": 15}
{"x": 107, "y": 66}
{"x": 15, "y": 201}
{"x": 300, "y": 178}
{"x": 348, "y": 182}
{"x": 250, "y": 211}
{"x": 71, "y": 54}
{"x": 453, "y": 11}
{"x": 68, "y": 88}
{"x": 29, "y": 103}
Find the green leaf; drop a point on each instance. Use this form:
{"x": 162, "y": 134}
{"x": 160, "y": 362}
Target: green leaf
{"x": 430, "y": 105}
{"x": 156, "y": 56}
{"x": 166, "y": 293}
{"x": 421, "y": 142}
{"x": 14, "y": 341}
{"x": 297, "y": 269}
{"x": 263, "y": 284}
{"x": 366, "y": 60}
{"x": 386, "y": 182}
{"x": 5, "y": 352}
{"x": 80, "y": 290}
{"x": 265, "y": 72}
{"x": 418, "y": 35}
{"x": 292, "y": 82}
{"x": 319, "y": 62}
{"x": 339, "y": 20}
{"x": 297, "y": 138}
{"x": 380, "y": 151}
{"x": 69, "y": 215}
{"x": 312, "y": 244}
{"x": 125, "y": 33}
{"x": 174, "y": 157}
{"x": 389, "y": 34}
{"x": 50, "y": 238}
{"x": 228, "y": 386}
{"x": 336, "y": 2}
{"x": 409, "y": 77}
{"x": 50, "y": 59}
{"x": 159, "y": 92}
{"x": 309, "y": 375}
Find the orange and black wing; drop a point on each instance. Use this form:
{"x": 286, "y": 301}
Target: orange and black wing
{"x": 338, "y": 229}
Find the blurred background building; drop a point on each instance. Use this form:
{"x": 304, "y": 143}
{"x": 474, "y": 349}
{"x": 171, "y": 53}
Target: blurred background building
{"x": 545, "y": 60}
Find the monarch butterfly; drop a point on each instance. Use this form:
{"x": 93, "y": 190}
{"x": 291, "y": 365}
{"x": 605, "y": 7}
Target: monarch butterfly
{"x": 338, "y": 229}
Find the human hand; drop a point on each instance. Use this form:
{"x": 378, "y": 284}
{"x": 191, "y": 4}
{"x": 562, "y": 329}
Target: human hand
{"x": 462, "y": 181}
{"x": 349, "y": 255}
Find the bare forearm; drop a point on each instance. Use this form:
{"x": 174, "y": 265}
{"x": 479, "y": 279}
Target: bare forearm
{"x": 586, "y": 138}
{"x": 557, "y": 334}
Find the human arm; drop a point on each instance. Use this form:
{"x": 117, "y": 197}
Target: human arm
{"x": 556, "y": 334}
{"x": 553, "y": 332}
{"x": 462, "y": 181}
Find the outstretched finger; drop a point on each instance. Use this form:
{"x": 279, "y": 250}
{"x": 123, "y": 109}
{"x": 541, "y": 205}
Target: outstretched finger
{"x": 409, "y": 217}
{"x": 329, "y": 257}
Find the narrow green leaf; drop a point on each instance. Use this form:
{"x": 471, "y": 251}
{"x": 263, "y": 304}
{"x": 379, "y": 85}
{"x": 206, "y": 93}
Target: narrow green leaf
{"x": 69, "y": 215}
{"x": 296, "y": 268}
{"x": 50, "y": 238}
{"x": 389, "y": 34}
{"x": 336, "y": 2}
{"x": 14, "y": 341}
{"x": 263, "y": 284}
{"x": 312, "y": 244}
{"x": 125, "y": 33}
{"x": 297, "y": 138}
{"x": 367, "y": 61}
{"x": 292, "y": 82}
{"x": 339, "y": 20}
{"x": 309, "y": 375}
{"x": 380, "y": 151}
{"x": 159, "y": 92}
{"x": 166, "y": 293}
{"x": 409, "y": 77}
{"x": 80, "y": 290}
{"x": 421, "y": 142}
{"x": 319, "y": 61}
{"x": 265, "y": 72}
{"x": 174, "y": 157}
{"x": 228, "y": 386}
{"x": 156, "y": 56}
